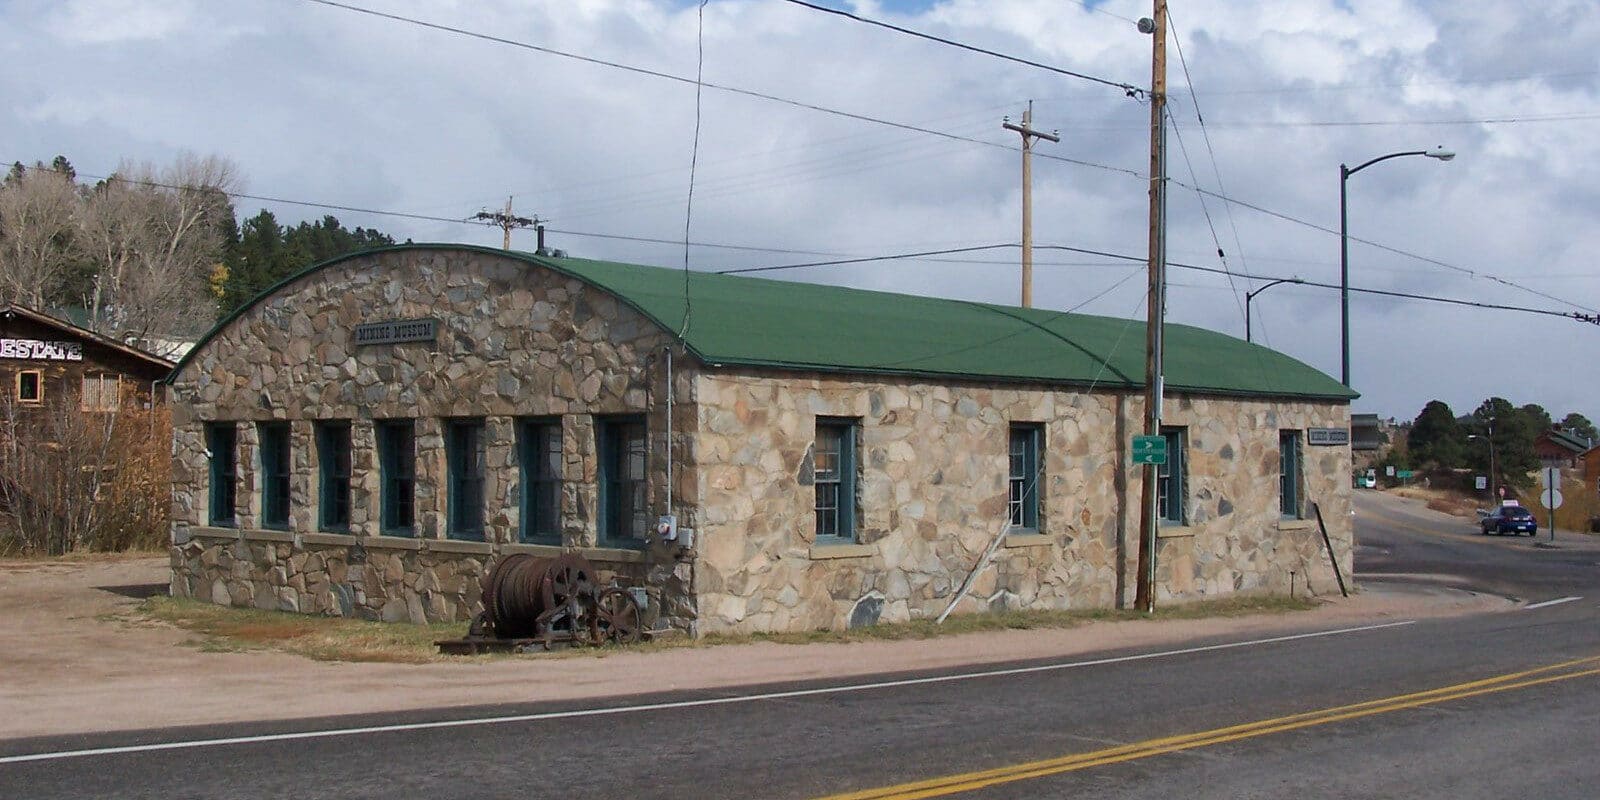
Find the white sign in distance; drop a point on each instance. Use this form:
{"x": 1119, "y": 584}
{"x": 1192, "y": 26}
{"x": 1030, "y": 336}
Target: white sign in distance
{"x": 1389, "y": 470}
{"x": 1550, "y": 476}
{"x": 1482, "y": 483}
{"x": 1550, "y": 498}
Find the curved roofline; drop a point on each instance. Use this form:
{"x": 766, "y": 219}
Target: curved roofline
{"x": 755, "y": 361}
{"x": 476, "y": 248}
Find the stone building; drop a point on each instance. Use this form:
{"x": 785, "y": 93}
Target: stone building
{"x": 364, "y": 438}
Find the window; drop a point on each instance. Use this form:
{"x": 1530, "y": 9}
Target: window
{"x": 622, "y": 482}
{"x": 221, "y": 441}
{"x": 333, "y": 476}
{"x": 539, "y": 455}
{"x": 1170, "y": 478}
{"x": 30, "y": 387}
{"x": 834, "y": 475}
{"x": 1024, "y": 477}
{"x": 397, "y": 476}
{"x": 1289, "y": 474}
{"x": 101, "y": 392}
{"x": 274, "y": 447}
{"x": 463, "y": 442}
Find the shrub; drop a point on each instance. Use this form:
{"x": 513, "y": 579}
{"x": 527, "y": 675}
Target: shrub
{"x": 74, "y": 480}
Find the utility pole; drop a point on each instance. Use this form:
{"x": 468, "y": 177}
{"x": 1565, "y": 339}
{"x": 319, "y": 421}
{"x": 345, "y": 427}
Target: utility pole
{"x": 1028, "y": 135}
{"x": 507, "y": 220}
{"x": 1145, "y": 589}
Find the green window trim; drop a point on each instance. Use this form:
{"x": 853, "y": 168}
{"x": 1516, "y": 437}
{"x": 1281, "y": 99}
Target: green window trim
{"x": 834, "y": 481}
{"x": 272, "y": 440}
{"x": 539, "y": 460}
{"x": 1172, "y": 477}
{"x": 1023, "y": 478}
{"x": 222, "y": 440}
{"x": 466, "y": 461}
{"x": 397, "y": 468}
{"x": 1290, "y": 467}
{"x": 333, "y": 476}
{"x": 622, "y": 446}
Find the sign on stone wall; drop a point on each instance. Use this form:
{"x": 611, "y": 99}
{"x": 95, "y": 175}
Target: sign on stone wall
{"x": 1328, "y": 436}
{"x": 34, "y": 350}
{"x": 397, "y": 331}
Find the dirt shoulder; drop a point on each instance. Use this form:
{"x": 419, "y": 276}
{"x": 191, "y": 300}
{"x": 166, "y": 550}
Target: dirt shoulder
{"x": 74, "y": 663}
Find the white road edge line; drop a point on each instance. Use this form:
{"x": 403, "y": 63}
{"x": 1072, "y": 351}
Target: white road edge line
{"x": 1546, "y": 604}
{"x": 715, "y": 701}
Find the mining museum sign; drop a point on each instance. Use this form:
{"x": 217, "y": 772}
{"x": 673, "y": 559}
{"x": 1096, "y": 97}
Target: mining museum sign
{"x": 397, "y": 331}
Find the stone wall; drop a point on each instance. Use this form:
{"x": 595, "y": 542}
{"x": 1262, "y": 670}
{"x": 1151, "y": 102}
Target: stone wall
{"x": 933, "y": 490}
{"x": 514, "y": 341}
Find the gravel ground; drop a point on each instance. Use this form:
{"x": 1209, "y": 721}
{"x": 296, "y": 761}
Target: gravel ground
{"x": 72, "y": 666}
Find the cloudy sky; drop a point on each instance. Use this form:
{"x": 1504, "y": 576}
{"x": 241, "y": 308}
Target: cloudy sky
{"x": 330, "y": 105}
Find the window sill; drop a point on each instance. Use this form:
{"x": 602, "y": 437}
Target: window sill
{"x": 1296, "y": 524}
{"x": 467, "y": 546}
{"x": 327, "y": 538}
{"x": 1027, "y": 540}
{"x": 629, "y": 556}
{"x": 1175, "y": 532}
{"x": 820, "y": 552}
{"x": 540, "y": 550}
{"x": 390, "y": 542}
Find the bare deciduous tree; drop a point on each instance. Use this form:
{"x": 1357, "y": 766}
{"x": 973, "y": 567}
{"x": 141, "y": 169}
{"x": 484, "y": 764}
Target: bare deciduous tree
{"x": 38, "y": 210}
{"x": 152, "y": 239}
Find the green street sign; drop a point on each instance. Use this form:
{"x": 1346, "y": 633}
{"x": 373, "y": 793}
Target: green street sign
{"x": 1404, "y": 474}
{"x": 1149, "y": 449}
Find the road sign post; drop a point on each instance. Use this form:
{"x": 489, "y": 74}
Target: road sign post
{"x": 1149, "y": 449}
{"x": 1550, "y": 496}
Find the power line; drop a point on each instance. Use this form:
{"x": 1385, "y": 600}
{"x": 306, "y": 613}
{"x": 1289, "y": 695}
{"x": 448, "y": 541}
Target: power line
{"x": 1395, "y": 250}
{"x": 787, "y": 251}
{"x": 1127, "y": 88}
{"x": 1196, "y": 267}
{"x": 706, "y": 84}
{"x": 1216, "y": 170}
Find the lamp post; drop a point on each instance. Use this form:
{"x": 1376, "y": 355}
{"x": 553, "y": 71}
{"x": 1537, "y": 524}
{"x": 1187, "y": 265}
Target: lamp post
{"x": 1344, "y": 248}
{"x": 1248, "y": 296}
{"x": 1494, "y": 483}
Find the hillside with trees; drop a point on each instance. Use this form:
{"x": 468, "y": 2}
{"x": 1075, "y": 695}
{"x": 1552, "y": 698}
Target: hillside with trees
{"x": 149, "y": 255}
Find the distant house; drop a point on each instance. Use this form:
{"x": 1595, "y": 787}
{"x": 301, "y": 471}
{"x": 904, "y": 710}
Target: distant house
{"x": 45, "y": 361}
{"x": 1561, "y": 447}
{"x": 1591, "y": 468}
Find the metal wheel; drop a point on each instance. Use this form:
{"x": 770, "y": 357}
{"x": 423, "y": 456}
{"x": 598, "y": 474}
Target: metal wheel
{"x": 618, "y": 617}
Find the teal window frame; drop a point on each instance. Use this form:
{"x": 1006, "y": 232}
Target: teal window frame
{"x": 222, "y": 443}
{"x": 334, "y": 452}
{"x": 466, "y": 461}
{"x": 397, "y": 477}
{"x": 1290, "y": 466}
{"x": 1024, "y": 476}
{"x": 1172, "y": 477}
{"x": 274, "y": 450}
{"x": 623, "y": 448}
{"x": 834, "y": 478}
{"x": 539, "y": 459}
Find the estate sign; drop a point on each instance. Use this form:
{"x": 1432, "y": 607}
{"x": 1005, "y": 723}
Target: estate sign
{"x": 1328, "y": 436}
{"x": 397, "y": 331}
{"x": 34, "y": 350}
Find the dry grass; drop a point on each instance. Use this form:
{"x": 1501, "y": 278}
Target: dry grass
{"x": 1445, "y": 500}
{"x": 224, "y": 629}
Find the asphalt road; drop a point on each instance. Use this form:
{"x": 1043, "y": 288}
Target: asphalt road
{"x": 1492, "y": 706}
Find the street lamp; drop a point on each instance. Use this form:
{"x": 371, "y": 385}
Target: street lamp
{"x": 1248, "y": 296}
{"x": 1344, "y": 248}
{"x": 1494, "y": 483}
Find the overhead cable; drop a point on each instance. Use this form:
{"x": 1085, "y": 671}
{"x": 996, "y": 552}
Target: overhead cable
{"x": 1127, "y": 88}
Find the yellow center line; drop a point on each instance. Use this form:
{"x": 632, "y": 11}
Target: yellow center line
{"x": 970, "y": 781}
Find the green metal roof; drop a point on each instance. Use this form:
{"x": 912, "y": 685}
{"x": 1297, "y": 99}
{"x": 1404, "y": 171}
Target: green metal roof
{"x": 737, "y": 320}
